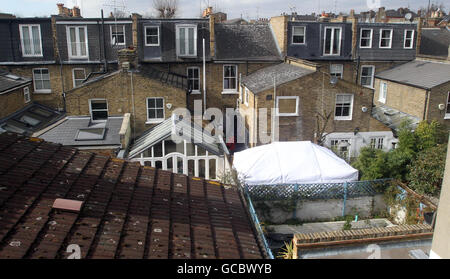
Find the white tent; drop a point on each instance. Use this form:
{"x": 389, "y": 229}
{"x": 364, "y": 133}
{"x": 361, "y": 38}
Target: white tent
{"x": 298, "y": 162}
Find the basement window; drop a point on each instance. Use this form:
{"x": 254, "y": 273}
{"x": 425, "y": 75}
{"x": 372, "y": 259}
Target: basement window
{"x": 287, "y": 105}
{"x": 99, "y": 110}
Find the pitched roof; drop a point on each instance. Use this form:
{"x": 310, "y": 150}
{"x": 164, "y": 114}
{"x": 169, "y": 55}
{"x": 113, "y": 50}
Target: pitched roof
{"x": 30, "y": 119}
{"x": 245, "y": 42}
{"x": 262, "y": 80}
{"x": 435, "y": 41}
{"x": 66, "y": 132}
{"x": 10, "y": 81}
{"x": 128, "y": 211}
{"x": 418, "y": 73}
{"x": 165, "y": 129}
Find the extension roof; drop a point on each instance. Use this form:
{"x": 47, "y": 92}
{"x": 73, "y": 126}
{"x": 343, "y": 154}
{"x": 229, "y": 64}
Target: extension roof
{"x": 262, "y": 80}
{"x": 418, "y": 73}
{"x": 127, "y": 211}
{"x": 165, "y": 129}
{"x": 9, "y": 81}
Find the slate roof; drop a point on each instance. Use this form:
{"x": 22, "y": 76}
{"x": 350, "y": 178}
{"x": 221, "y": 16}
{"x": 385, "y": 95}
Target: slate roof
{"x": 418, "y": 73}
{"x": 393, "y": 118}
{"x": 262, "y": 80}
{"x": 435, "y": 41}
{"x": 165, "y": 129}
{"x": 245, "y": 42}
{"x": 9, "y": 81}
{"x": 19, "y": 122}
{"x": 66, "y": 131}
{"x": 128, "y": 211}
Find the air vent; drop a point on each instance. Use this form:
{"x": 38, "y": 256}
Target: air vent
{"x": 67, "y": 205}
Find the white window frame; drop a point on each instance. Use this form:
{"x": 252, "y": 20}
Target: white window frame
{"x": 230, "y": 91}
{"x": 344, "y": 118}
{"x": 390, "y": 37}
{"x": 34, "y": 82}
{"x": 155, "y": 120}
{"x": 341, "y": 72}
{"x": 383, "y": 92}
{"x": 372, "y": 77}
{"x": 187, "y": 26}
{"x": 77, "y": 38}
{"x": 370, "y": 38}
{"x": 331, "y": 41}
{"x": 111, "y": 33}
{"x": 31, "y": 40}
{"x": 412, "y": 39}
{"x": 197, "y": 91}
{"x": 26, "y": 95}
{"x": 145, "y": 38}
{"x": 91, "y": 110}
{"x": 73, "y": 75}
{"x": 278, "y": 98}
{"x": 304, "y": 35}
{"x": 447, "y": 115}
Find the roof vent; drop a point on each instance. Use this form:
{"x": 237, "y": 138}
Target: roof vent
{"x": 67, "y": 205}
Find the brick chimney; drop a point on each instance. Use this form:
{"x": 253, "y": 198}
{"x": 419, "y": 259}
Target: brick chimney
{"x": 60, "y": 8}
{"x": 381, "y": 15}
{"x": 279, "y": 27}
{"x": 127, "y": 58}
{"x": 354, "y": 36}
{"x": 76, "y": 12}
{"x": 352, "y": 13}
{"x": 212, "y": 37}
{"x": 135, "y": 26}
{"x": 419, "y": 35}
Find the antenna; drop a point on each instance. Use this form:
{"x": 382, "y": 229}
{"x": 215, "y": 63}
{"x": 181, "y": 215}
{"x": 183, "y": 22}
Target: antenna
{"x": 115, "y": 7}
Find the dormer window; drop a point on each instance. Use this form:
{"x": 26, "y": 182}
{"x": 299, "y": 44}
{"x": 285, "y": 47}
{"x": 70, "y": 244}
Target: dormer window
{"x": 186, "y": 37}
{"x": 30, "y": 39}
{"x": 409, "y": 39}
{"x": 152, "y": 36}
{"x": 298, "y": 35}
{"x": 77, "y": 41}
{"x": 332, "y": 41}
{"x": 385, "y": 38}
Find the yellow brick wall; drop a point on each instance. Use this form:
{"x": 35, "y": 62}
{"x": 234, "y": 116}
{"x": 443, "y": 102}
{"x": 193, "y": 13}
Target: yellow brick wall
{"x": 12, "y": 101}
{"x": 404, "y": 98}
{"x": 438, "y": 96}
{"x": 116, "y": 89}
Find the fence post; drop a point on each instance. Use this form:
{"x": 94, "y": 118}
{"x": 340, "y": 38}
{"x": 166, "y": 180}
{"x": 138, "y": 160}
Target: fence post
{"x": 345, "y": 198}
{"x": 294, "y": 216}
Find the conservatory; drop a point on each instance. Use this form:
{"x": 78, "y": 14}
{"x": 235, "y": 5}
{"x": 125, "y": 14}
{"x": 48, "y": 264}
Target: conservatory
{"x": 197, "y": 154}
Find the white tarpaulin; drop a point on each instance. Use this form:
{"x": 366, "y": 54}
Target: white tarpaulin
{"x": 298, "y": 162}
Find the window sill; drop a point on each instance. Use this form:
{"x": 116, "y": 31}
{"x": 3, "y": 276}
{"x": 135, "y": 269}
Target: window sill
{"x": 230, "y": 92}
{"x": 196, "y": 93}
{"x": 152, "y": 45}
{"x": 31, "y": 56}
{"x": 286, "y": 114}
{"x": 155, "y": 121}
{"x": 42, "y": 92}
{"x": 447, "y": 117}
{"x": 342, "y": 119}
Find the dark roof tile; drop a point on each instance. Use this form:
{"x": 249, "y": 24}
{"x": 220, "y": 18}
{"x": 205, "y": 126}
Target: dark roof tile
{"x": 128, "y": 211}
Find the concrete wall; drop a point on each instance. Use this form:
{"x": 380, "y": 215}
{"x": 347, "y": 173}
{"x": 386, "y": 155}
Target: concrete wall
{"x": 315, "y": 210}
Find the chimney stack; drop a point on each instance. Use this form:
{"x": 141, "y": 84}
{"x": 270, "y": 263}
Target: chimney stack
{"x": 60, "y": 8}
{"x": 76, "y": 12}
{"x": 212, "y": 38}
{"x": 127, "y": 58}
{"x": 419, "y": 35}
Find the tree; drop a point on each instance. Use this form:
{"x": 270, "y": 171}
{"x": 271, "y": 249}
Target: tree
{"x": 166, "y": 8}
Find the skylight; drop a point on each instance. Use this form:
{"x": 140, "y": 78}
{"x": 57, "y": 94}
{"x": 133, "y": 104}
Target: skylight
{"x": 91, "y": 134}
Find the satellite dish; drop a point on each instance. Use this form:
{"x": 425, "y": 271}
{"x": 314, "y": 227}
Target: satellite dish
{"x": 408, "y": 16}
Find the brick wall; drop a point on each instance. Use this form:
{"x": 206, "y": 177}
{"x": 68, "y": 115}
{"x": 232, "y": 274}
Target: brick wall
{"x": 438, "y": 96}
{"x": 311, "y": 102}
{"x": 404, "y": 98}
{"x": 12, "y": 101}
{"x": 116, "y": 89}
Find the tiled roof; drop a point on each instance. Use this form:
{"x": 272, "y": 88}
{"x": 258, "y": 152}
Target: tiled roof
{"x": 128, "y": 211}
{"x": 245, "y": 42}
{"x": 419, "y": 73}
{"x": 262, "y": 80}
{"x": 9, "y": 81}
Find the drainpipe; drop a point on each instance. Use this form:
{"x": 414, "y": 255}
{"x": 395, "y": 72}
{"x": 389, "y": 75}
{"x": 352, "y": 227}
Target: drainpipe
{"x": 204, "y": 77}
{"x": 425, "y": 109}
{"x": 104, "y": 44}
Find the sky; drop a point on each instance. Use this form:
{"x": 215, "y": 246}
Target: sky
{"x": 248, "y": 9}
